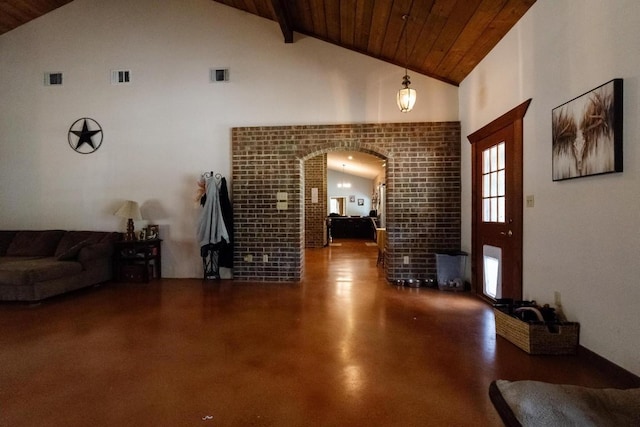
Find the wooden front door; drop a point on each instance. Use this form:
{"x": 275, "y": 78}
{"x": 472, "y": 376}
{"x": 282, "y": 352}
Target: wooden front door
{"x": 497, "y": 206}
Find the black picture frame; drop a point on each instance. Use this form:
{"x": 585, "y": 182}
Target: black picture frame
{"x": 360, "y": 202}
{"x": 587, "y": 133}
{"x": 153, "y": 232}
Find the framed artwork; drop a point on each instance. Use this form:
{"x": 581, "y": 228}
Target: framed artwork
{"x": 360, "y": 202}
{"x": 153, "y": 232}
{"x": 587, "y": 133}
{"x": 352, "y": 199}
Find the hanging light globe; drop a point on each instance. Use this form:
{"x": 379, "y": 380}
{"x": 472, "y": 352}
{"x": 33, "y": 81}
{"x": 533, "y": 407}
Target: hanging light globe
{"x": 406, "y": 96}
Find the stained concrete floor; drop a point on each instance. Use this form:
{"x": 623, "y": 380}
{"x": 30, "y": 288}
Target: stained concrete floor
{"x": 341, "y": 348}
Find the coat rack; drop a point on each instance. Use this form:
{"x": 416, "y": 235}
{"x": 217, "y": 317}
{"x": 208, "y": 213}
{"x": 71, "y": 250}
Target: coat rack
{"x": 210, "y": 252}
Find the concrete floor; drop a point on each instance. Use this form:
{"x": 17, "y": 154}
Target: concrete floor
{"x": 342, "y": 348}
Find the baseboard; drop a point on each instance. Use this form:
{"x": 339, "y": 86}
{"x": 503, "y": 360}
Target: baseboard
{"x": 626, "y": 378}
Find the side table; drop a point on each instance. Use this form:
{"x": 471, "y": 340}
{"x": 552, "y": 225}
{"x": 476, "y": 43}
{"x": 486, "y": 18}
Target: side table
{"x": 138, "y": 260}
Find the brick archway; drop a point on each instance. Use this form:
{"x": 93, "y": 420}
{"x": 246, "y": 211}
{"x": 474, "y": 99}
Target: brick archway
{"x": 423, "y": 182}
{"x": 315, "y": 173}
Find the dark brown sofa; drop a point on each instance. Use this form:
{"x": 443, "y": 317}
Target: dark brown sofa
{"x": 35, "y": 265}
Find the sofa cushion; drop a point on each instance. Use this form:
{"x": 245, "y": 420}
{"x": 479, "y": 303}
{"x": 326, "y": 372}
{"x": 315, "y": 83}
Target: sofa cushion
{"x": 29, "y": 271}
{"x": 95, "y": 251}
{"x": 72, "y": 238}
{"x": 35, "y": 243}
{"x": 7, "y": 259}
{"x": 5, "y": 239}
{"x": 71, "y": 254}
{"x": 110, "y": 237}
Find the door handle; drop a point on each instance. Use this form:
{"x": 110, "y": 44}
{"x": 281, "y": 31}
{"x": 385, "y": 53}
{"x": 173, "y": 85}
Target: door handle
{"x": 508, "y": 233}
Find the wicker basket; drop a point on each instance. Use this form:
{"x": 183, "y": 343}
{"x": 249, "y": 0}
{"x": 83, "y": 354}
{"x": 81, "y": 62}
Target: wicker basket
{"x": 537, "y": 339}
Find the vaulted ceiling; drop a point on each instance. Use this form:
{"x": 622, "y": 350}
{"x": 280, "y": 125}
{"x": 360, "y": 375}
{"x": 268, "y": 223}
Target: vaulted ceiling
{"x": 14, "y": 13}
{"x": 443, "y": 39}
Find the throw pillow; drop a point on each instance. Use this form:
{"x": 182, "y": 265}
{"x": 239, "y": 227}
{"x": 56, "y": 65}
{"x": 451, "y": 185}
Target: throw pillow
{"x": 5, "y": 240}
{"x": 35, "y": 243}
{"x": 72, "y": 253}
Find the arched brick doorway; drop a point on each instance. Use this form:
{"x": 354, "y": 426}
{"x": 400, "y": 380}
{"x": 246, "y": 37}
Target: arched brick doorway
{"x": 423, "y": 184}
{"x": 315, "y": 173}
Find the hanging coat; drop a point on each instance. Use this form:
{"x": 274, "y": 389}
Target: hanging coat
{"x": 211, "y": 226}
{"x": 226, "y": 251}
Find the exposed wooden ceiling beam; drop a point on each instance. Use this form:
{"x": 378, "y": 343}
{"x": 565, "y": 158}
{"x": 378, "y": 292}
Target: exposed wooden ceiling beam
{"x": 281, "y": 14}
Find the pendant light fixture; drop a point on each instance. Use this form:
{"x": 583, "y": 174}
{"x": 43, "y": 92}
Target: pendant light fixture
{"x": 406, "y": 96}
{"x": 344, "y": 184}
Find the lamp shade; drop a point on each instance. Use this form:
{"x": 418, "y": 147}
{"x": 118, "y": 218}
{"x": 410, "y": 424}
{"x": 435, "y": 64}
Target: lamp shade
{"x": 129, "y": 209}
{"x": 406, "y": 99}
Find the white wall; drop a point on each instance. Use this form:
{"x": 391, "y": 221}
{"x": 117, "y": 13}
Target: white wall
{"x": 361, "y": 188}
{"x": 582, "y": 238}
{"x": 170, "y": 124}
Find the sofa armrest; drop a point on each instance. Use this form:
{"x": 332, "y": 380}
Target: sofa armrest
{"x": 95, "y": 251}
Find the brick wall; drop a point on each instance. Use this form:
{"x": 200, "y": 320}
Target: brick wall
{"x": 315, "y": 176}
{"x": 423, "y": 192}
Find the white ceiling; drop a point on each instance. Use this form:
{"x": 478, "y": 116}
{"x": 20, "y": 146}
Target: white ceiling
{"x": 360, "y": 164}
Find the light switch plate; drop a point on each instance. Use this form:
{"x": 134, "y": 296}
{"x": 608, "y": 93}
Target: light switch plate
{"x": 530, "y": 201}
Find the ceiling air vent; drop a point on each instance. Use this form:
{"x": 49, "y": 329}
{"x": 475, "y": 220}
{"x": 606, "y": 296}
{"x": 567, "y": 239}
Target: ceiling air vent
{"x": 120, "y": 77}
{"x": 53, "y": 79}
{"x": 217, "y": 75}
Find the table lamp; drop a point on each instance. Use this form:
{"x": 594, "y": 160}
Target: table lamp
{"x": 131, "y": 211}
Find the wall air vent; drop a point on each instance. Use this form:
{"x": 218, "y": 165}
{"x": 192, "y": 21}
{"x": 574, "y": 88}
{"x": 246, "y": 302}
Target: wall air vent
{"x": 217, "y": 75}
{"x": 52, "y": 79}
{"x": 120, "y": 77}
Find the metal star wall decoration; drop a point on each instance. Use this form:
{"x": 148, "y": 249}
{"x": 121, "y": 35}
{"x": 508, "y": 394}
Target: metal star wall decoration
{"x": 81, "y": 134}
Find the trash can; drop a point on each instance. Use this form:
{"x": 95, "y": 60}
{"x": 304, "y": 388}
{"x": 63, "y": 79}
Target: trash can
{"x": 450, "y": 266}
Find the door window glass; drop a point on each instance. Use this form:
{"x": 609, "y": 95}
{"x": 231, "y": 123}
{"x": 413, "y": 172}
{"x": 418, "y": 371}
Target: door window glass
{"x": 493, "y": 183}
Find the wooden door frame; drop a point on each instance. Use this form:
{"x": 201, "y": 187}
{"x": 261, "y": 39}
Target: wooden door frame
{"x": 512, "y": 118}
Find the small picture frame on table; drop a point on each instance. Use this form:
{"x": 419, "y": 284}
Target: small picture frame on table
{"x": 153, "y": 232}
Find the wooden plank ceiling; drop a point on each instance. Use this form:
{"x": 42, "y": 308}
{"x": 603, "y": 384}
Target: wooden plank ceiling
{"x": 14, "y": 13}
{"x": 445, "y": 39}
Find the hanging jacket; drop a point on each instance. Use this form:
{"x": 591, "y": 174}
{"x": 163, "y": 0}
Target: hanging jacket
{"x": 211, "y": 225}
{"x": 226, "y": 251}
